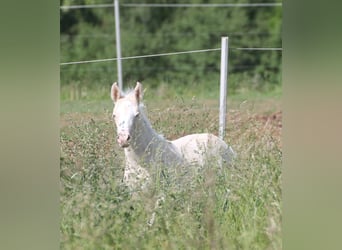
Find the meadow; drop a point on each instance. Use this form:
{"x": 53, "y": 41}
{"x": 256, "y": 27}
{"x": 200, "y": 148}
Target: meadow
{"x": 237, "y": 207}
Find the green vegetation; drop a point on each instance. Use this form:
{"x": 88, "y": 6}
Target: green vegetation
{"x": 88, "y": 34}
{"x": 229, "y": 208}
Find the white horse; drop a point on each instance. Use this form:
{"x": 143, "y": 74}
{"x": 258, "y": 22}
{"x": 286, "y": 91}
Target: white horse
{"x": 145, "y": 149}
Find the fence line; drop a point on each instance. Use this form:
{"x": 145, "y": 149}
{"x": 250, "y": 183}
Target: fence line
{"x": 143, "y": 56}
{"x": 173, "y": 5}
{"x": 166, "y": 54}
{"x": 263, "y": 49}
{"x": 89, "y": 6}
{"x": 181, "y": 5}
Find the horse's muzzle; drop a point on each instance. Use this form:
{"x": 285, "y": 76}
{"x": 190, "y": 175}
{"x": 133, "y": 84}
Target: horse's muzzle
{"x": 123, "y": 139}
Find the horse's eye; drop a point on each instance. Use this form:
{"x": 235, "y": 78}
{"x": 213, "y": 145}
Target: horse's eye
{"x": 136, "y": 114}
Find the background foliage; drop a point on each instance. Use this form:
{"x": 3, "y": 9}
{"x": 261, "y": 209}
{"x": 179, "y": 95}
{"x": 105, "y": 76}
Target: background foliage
{"x": 88, "y": 34}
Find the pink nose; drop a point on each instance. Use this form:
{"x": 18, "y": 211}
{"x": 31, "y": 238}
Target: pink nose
{"x": 123, "y": 139}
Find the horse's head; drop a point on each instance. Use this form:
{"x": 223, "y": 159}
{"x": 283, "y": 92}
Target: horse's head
{"x": 126, "y": 110}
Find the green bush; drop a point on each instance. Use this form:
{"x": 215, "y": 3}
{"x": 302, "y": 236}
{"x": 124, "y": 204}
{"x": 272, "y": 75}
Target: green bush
{"x": 88, "y": 34}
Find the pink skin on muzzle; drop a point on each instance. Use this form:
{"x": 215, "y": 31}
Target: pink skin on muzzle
{"x": 123, "y": 139}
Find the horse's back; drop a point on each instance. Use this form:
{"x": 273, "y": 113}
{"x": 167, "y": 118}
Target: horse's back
{"x": 198, "y": 148}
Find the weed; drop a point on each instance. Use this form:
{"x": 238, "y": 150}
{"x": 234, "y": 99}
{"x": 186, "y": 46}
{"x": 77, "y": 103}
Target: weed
{"x": 214, "y": 208}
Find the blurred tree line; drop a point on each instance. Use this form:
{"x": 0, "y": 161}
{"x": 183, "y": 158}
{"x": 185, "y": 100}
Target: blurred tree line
{"x": 87, "y": 34}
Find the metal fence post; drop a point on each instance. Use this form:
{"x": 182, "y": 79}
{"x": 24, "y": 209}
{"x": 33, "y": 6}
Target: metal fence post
{"x": 118, "y": 41}
{"x": 223, "y": 86}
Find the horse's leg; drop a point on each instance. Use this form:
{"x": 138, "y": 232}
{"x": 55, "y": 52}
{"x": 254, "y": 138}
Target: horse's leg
{"x": 157, "y": 205}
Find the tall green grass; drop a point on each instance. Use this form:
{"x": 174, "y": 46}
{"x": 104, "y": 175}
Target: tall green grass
{"x": 238, "y": 87}
{"x": 237, "y": 207}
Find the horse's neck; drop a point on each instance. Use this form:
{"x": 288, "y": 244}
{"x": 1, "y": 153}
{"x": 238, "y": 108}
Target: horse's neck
{"x": 144, "y": 136}
{"x": 147, "y": 147}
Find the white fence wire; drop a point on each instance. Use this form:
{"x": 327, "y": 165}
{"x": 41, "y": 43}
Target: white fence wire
{"x": 179, "y": 5}
{"x": 164, "y": 54}
{"x": 174, "y": 5}
{"x": 143, "y": 56}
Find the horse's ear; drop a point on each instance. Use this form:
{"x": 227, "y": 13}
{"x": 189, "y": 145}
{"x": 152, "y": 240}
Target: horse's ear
{"x": 115, "y": 92}
{"x": 138, "y": 92}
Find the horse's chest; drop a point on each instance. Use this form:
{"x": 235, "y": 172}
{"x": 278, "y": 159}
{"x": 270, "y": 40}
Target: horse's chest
{"x": 134, "y": 174}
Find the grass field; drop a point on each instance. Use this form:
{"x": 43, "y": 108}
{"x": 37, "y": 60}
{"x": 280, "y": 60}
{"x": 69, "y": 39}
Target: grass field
{"x": 230, "y": 208}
